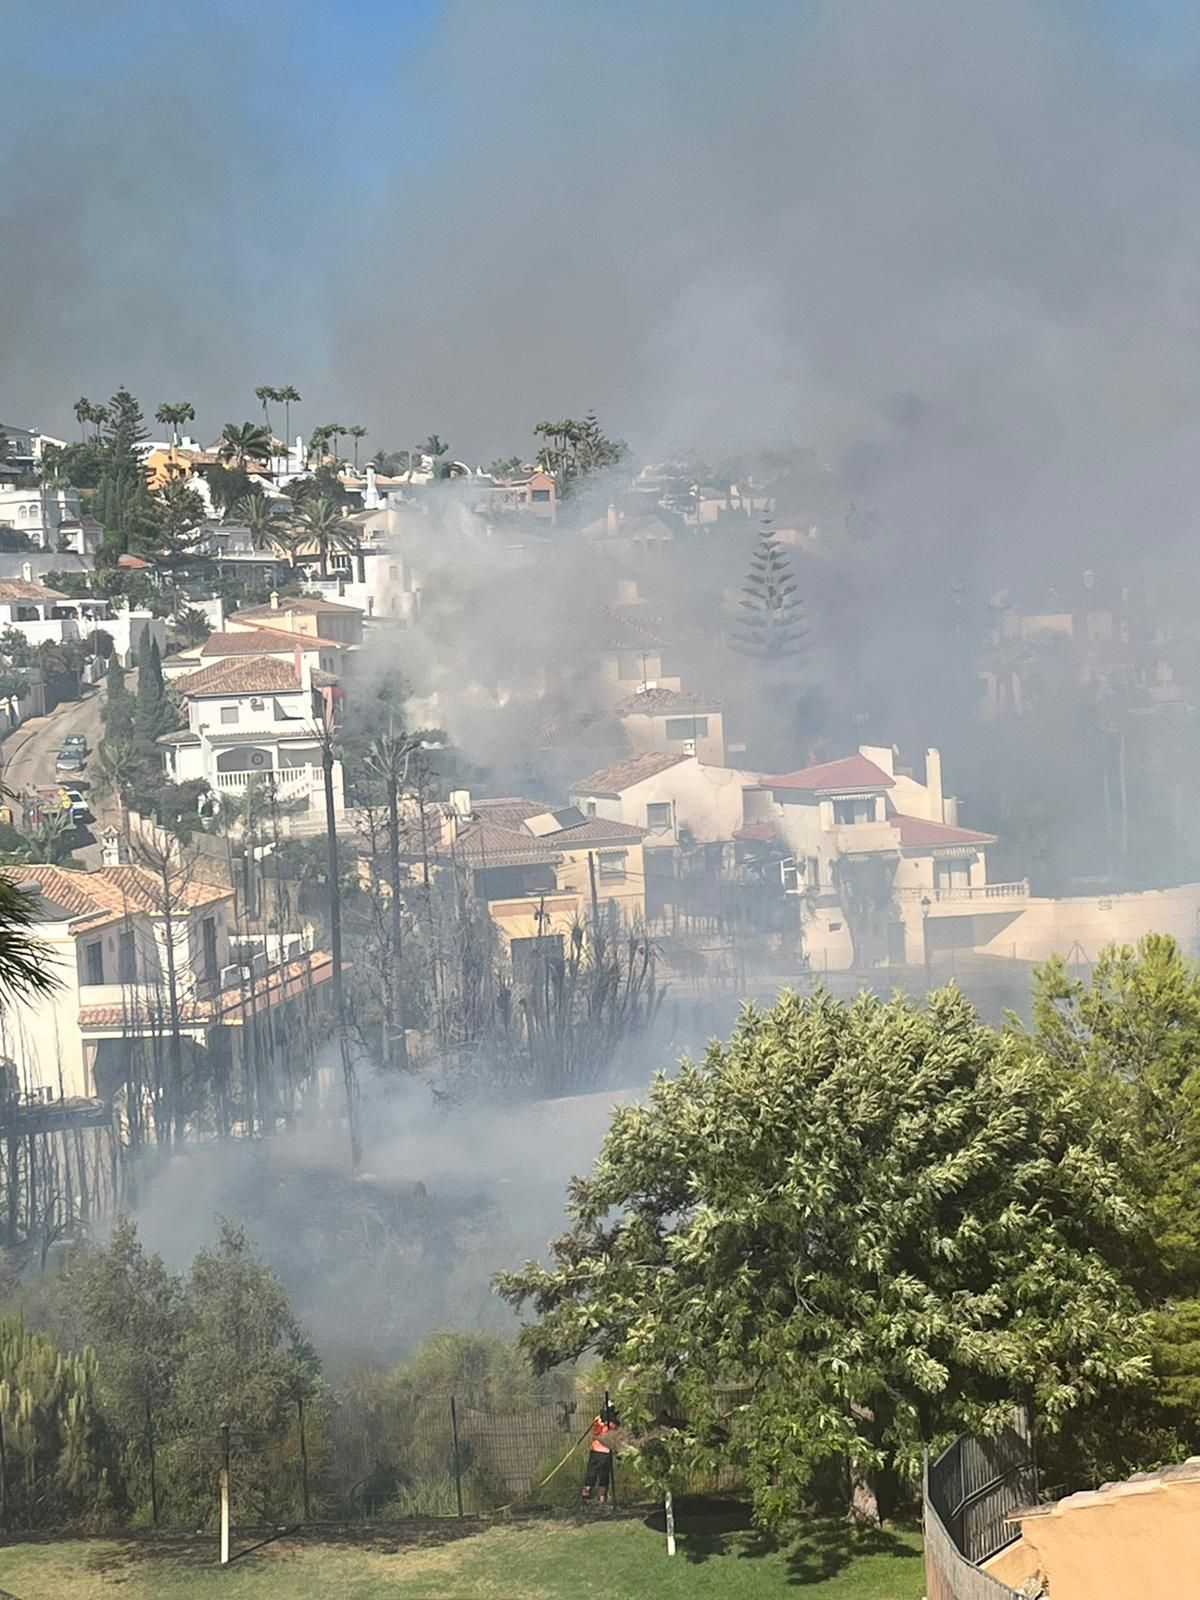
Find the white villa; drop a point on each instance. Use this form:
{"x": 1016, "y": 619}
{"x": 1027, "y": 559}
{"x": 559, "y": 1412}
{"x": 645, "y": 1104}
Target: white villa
{"x": 258, "y": 719}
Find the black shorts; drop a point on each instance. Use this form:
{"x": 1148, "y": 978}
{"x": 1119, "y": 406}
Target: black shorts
{"x": 599, "y": 1468}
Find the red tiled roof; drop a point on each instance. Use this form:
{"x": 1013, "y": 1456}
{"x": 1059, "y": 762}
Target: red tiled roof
{"x": 93, "y": 899}
{"x": 263, "y": 642}
{"x": 263, "y": 676}
{"x": 621, "y": 775}
{"x": 764, "y": 832}
{"x": 916, "y": 832}
{"x": 490, "y": 844}
{"x": 851, "y": 773}
{"x": 135, "y": 1015}
{"x": 22, "y": 589}
{"x": 134, "y": 563}
{"x": 509, "y": 810}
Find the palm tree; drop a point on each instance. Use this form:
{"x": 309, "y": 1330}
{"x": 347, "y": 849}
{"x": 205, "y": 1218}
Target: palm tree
{"x": 83, "y": 415}
{"x": 174, "y": 416}
{"x": 357, "y": 432}
{"x": 25, "y": 962}
{"x": 319, "y": 443}
{"x": 319, "y": 522}
{"x": 190, "y": 625}
{"x": 434, "y": 447}
{"x": 290, "y": 397}
{"x": 263, "y": 517}
{"x": 336, "y": 431}
{"x": 97, "y": 416}
{"x": 243, "y": 442}
{"x": 264, "y": 394}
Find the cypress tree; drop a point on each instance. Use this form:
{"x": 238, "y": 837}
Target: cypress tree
{"x": 118, "y": 704}
{"x": 123, "y": 501}
{"x": 153, "y": 711}
{"x": 770, "y": 626}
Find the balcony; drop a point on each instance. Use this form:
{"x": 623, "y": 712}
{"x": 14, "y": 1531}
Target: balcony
{"x": 862, "y": 838}
{"x": 983, "y": 896}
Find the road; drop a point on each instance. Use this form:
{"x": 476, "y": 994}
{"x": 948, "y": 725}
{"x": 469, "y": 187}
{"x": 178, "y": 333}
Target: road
{"x": 27, "y": 755}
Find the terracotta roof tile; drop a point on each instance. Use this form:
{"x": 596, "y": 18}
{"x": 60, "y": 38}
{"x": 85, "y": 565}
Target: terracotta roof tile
{"x": 851, "y": 773}
{"x": 96, "y": 898}
{"x": 264, "y": 642}
{"x": 263, "y": 675}
{"x": 22, "y": 589}
{"x": 621, "y": 775}
{"x": 306, "y": 604}
{"x": 916, "y": 831}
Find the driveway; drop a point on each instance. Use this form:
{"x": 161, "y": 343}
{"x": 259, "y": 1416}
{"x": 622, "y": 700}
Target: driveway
{"x": 27, "y": 756}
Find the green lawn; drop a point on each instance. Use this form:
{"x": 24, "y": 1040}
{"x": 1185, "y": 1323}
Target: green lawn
{"x": 617, "y": 1559}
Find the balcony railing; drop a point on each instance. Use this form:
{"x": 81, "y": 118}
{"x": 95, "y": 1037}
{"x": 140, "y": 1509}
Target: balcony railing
{"x": 956, "y": 894}
{"x": 290, "y": 783}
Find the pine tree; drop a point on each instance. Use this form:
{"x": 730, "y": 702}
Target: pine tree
{"x": 153, "y": 711}
{"x": 771, "y": 624}
{"x": 123, "y": 501}
{"x": 118, "y": 704}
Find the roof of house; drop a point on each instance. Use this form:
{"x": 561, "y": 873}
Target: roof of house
{"x": 179, "y": 736}
{"x": 614, "y": 779}
{"x": 833, "y": 777}
{"x": 631, "y": 628}
{"x": 22, "y": 589}
{"x": 499, "y": 835}
{"x": 916, "y": 831}
{"x": 266, "y": 675}
{"x": 135, "y": 563}
{"x": 308, "y": 604}
{"x": 761, "y": 832}
{"x": 265, "y": 642}
{"x": 92, "y": 899}
{"x": 654, "y": 702}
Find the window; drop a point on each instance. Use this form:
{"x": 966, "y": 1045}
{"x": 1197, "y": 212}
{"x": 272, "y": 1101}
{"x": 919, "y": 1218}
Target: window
{"x": 589, "y": 808}
{"x": 847, "y": 812}
{"x": 658, "y": 816}
{"x": 612, "y": 866}
{"x": 951, "y": 875}
{"x": 229, "y": 714}
{"x": 208, "y": 955}
{"x": 687, "y": 727}
{"x": 540, "y": 495}
{"x": 126, "y": 959}
{"x": 93, "y": 955}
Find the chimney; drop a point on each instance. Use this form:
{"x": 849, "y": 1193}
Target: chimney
{"x": 460, "y": 802}
{"x": 371, "y": 496}
{"x": 612, "y": 522}
{"x": 274, "y": 599}
{"x": 627, "y": 592}
{"x": 27, "y": 571}
{"x": 933, "y": 782}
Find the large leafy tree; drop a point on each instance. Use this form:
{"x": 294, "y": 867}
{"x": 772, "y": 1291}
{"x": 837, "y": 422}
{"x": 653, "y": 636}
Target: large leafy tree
{"x": 179, "y": 519}
{"x": 175, "y": 416}
{"x": 319, "y": 523}
{"x": 850, "y": 1232}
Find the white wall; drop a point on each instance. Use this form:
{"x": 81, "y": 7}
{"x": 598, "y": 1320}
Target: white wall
{"x": 705, "y": 799}
{"x": 1080, "y": 927}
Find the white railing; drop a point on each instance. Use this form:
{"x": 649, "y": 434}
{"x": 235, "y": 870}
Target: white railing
{"x": 289, "y": 783}
{"x": 968, "y": 892}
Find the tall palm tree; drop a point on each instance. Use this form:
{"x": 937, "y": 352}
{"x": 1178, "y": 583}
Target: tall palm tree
{"x": 243, "y": 442}
{"x": 337, "y": 432}
{"x": 434, "y": 447}
{"x": 357, "y": 432}
{"x": 97, "y": 415}
{"x": 318, "y": 445}
{"x": 264, "y": 394}
{"x": 290, "y": 397}
{"x": 174, "y": 416}
{"x": 83, "y": 415}
{"x": 319, "y": 522}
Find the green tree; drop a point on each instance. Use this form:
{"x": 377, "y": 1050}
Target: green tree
{"x": 574, "y": 450}
{"x": 191, "y": 625}
{"x": 123, "y": 502}
{"x": 264, "y": 394}
{"x": 244, "y": 1362}
{"x": 504, "y": 467}
{"x": 770, "y": 624}
{"x": 153, "y": 711}
{"x": 227, "y": 486}
{"x": 134, "y": 1312}
{"x": 83, "y": 413}
{"x": 852, "y": 1231}
{"x": 319, "y": 523}
{"x": 290, "y": 397}
{"x": 118, "y": 704}
{"x": 357, "y": 432}
{"x": 59, "y": 1463}
{"x": 175, "y": 417}
{"x": 179, "y": 519}
{"x": 263, "y": 518}
{"x": 243, "y": 443}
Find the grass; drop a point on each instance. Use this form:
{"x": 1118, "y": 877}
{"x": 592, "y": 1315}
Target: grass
{"x": 619, "y": 1557}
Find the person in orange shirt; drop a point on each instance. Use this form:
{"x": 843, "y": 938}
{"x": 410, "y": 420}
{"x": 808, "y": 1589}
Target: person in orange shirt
{"x": 600, "y": 1456}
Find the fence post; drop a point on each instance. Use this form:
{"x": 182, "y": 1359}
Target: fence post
{"x": 303, "y": 1456}
{"x": 225, "y": 1495}
{"x": 457, "y": 1462}
{"x": 153, "y": 1470}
